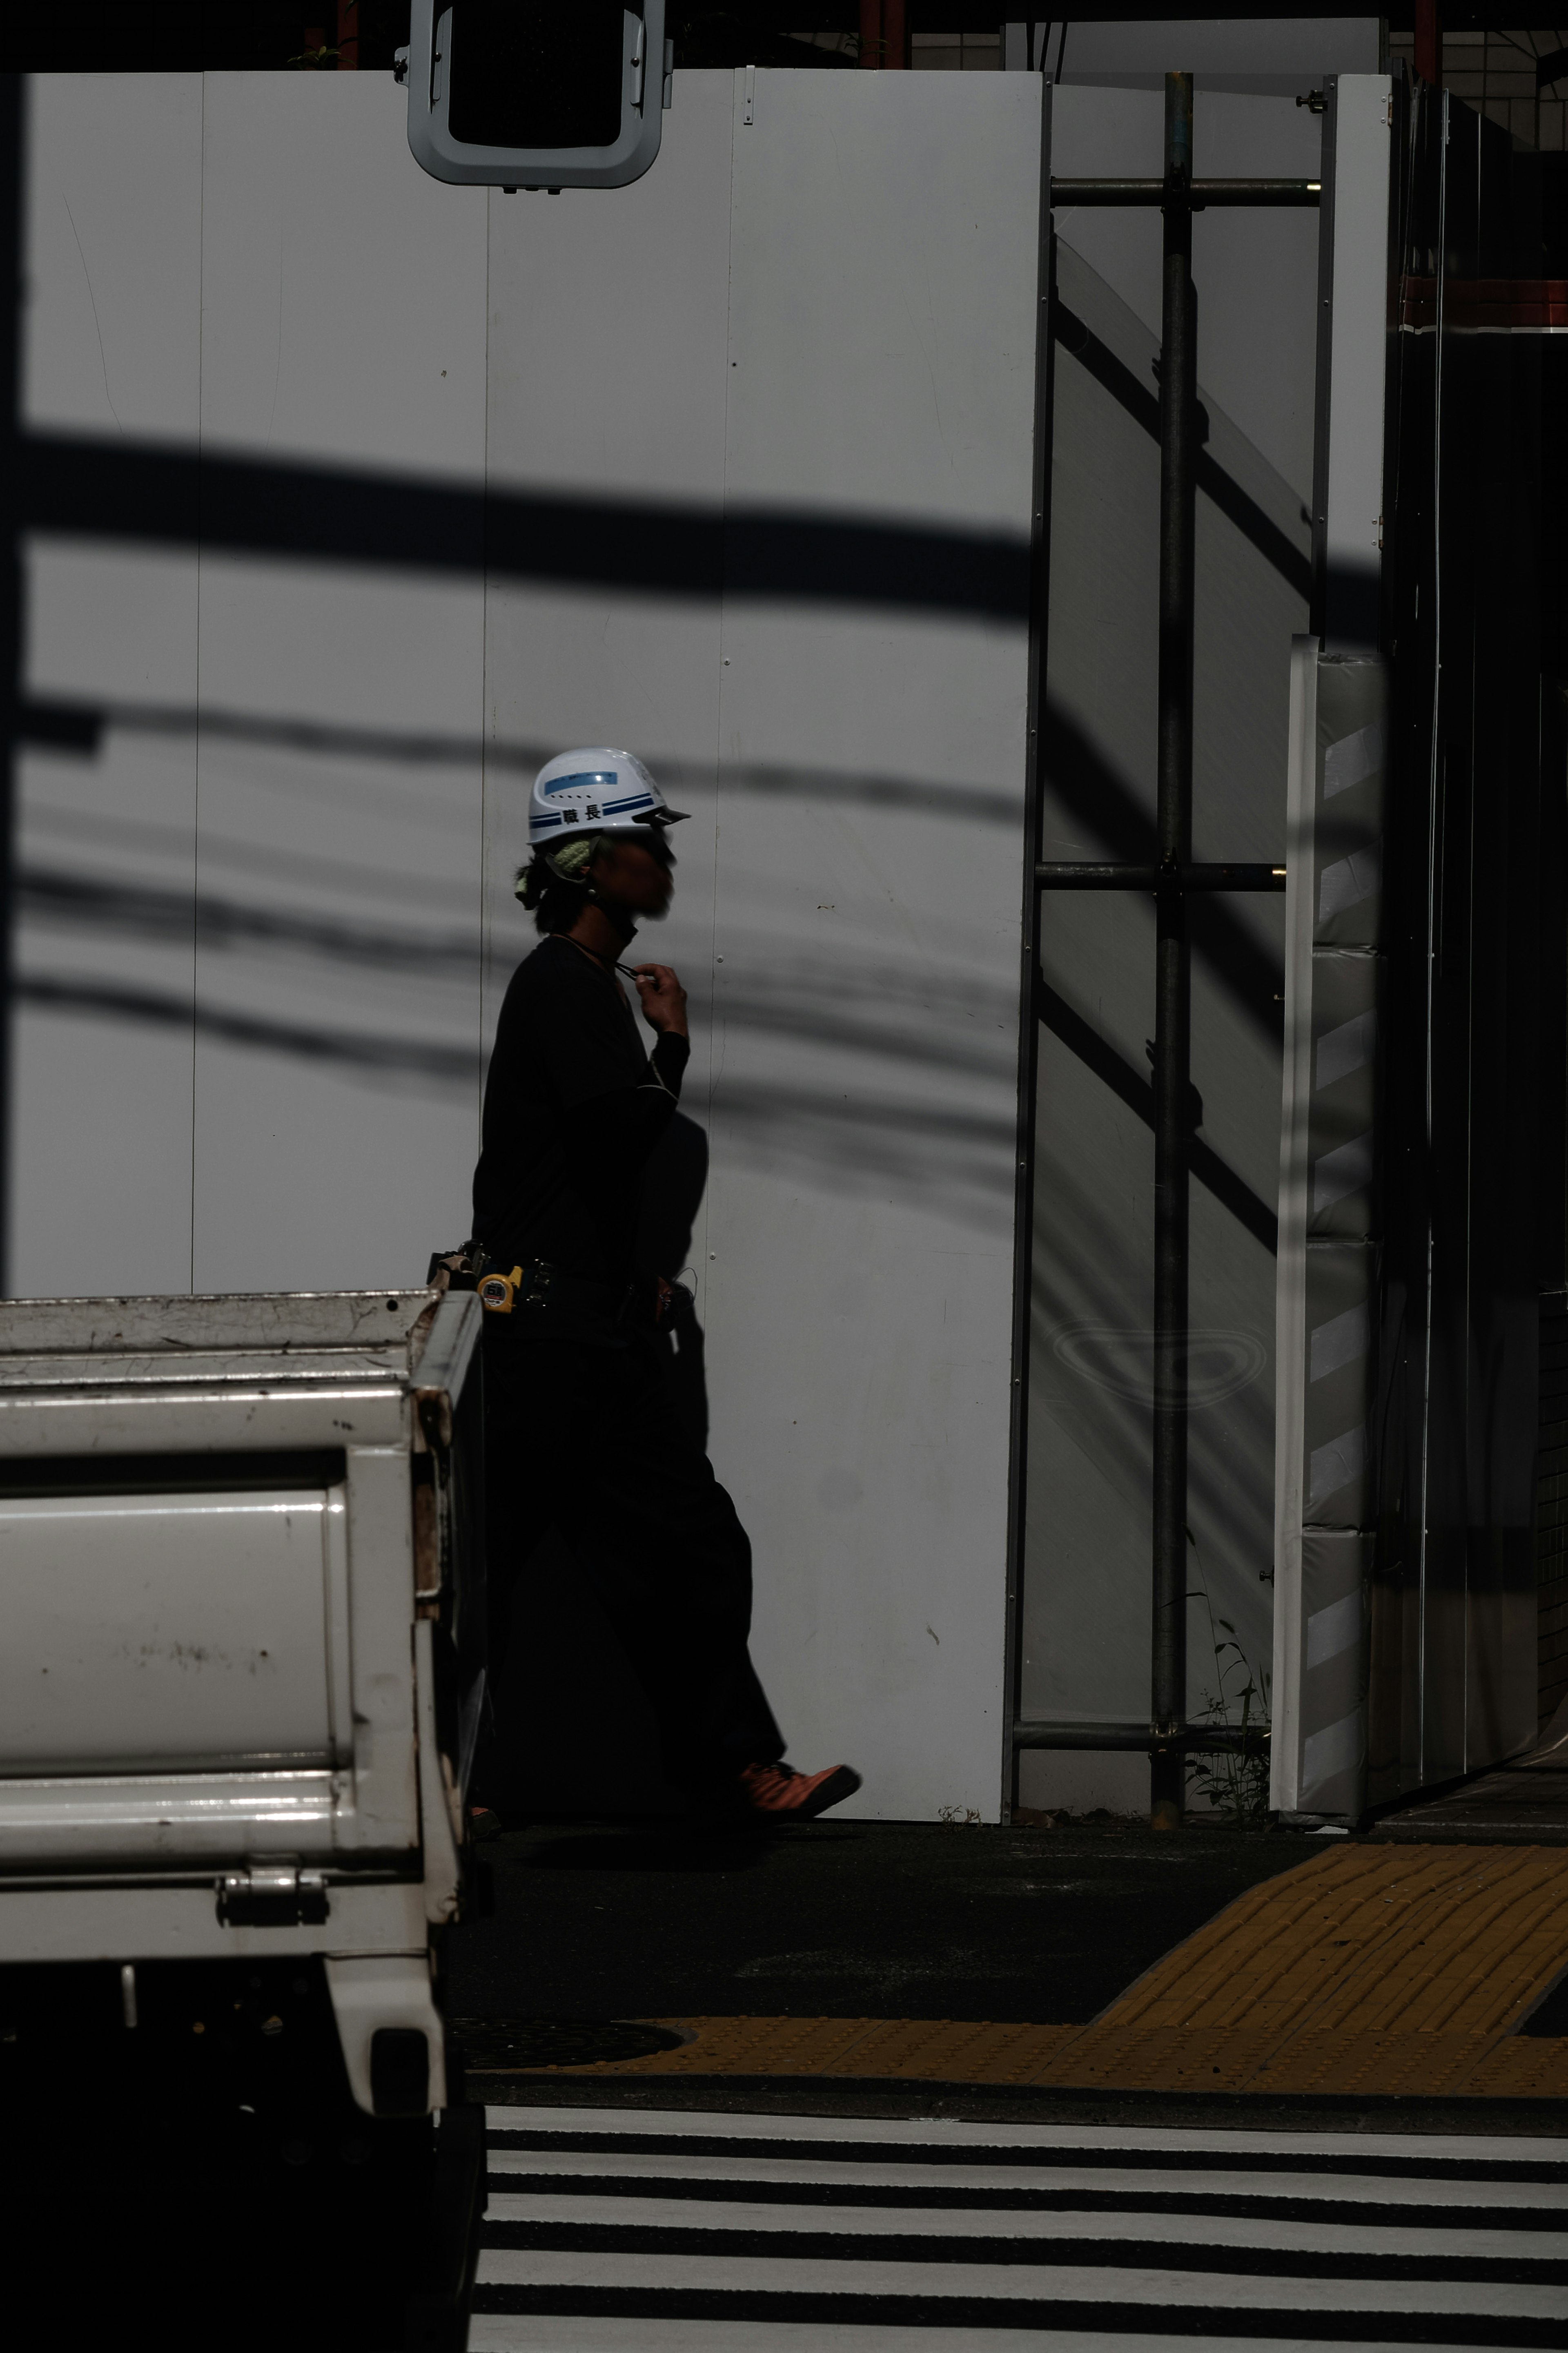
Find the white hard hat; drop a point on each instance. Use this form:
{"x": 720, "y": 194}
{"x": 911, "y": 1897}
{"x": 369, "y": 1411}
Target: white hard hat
{"x": 593, "y": 790}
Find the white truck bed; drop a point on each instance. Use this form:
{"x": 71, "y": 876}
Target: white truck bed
{"x": 240, "y": 1543}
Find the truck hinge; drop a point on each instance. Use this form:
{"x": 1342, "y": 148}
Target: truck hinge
{"x": 433, "y": 1410}
{"x": 271, "y": 1895}
{"x": 426, "y": 1529}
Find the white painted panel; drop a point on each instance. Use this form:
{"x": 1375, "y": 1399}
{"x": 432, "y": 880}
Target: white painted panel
{"x": 101, "y": 1191}
{"x": 1254, "y": 55}
{"x": 1363, "y": 144}
{"x": 605, "y": 376}
{"x": 864, "y": 1101}
{"x": 617, "y": 402}
{"x": 341, "y": 692}
{"x": 149, "y": 1630}
{"x": 113, "y": 247}
{"x": 908, "y": 334}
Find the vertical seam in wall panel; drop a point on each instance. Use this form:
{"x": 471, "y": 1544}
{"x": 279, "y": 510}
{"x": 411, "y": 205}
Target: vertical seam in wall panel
{"x": 1029, "y": 988}
{"x": 1434, "y": 906}
{"x": 484, "y": 877}
{"x": 1479, "y": 1508}
{"x": 16, "y": 557}
{"x": 1324, "y": 370}
{"x": 196, "y": 757}
{"x": 716, "y": 1045}
{"x": 1289, "y": 1311}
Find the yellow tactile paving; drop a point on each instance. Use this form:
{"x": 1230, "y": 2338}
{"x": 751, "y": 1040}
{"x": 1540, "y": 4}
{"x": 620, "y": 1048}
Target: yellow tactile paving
{"x": 1424, "y": 1939}
{"x": 1368, "y": 1970}
{"x": 923, "y": 2049}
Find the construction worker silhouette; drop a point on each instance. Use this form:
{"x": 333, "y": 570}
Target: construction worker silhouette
{"x": 583, "y": 1428}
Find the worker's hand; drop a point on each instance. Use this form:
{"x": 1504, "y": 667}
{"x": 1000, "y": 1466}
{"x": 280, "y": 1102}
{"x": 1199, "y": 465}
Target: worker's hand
{"x": 663, "y": 999}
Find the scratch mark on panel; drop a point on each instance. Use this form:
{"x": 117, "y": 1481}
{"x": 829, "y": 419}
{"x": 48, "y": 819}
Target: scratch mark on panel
{"x": 102, "y": 355}
{"x": 278, "y": 346}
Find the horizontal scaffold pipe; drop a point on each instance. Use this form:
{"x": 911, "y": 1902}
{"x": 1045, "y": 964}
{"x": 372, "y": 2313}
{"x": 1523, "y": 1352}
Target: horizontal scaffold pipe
{"x": 1252, "y": 1739}
{"x": 1053, "y": 874}
{"x": 1198, "y": 194}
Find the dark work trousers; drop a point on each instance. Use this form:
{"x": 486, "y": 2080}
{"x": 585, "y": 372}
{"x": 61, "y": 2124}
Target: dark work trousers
{"x": 589, "y": 1436}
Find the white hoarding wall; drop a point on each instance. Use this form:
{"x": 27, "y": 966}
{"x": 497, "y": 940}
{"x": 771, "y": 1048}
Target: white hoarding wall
{"x": 865, "y": 1120}
{"x": 254, "y": 396}
{"x": 734, "y": 466}
{"x": 111, "y": 326}
{"x": 342, "y": 337}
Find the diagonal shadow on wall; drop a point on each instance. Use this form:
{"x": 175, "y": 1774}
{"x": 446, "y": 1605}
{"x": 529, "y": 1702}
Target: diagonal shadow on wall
{"x": 67, "y": 486}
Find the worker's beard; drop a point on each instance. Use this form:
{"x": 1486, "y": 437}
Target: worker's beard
{"x": 618, "y": 919}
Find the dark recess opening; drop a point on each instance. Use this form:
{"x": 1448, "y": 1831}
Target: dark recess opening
{"x": 167, "y": 1475}
{"x": 536, "y": 75}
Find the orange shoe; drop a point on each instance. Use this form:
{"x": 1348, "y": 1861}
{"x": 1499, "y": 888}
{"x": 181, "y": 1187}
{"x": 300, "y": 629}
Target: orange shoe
{"x": 780, "y": 1794}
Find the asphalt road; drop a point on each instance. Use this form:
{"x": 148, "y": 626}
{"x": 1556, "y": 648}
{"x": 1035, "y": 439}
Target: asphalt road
{"x": 841, "y": 1919}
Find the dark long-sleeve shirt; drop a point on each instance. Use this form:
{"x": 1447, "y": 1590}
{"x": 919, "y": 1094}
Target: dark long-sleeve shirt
{"x": 573, "y": 1107}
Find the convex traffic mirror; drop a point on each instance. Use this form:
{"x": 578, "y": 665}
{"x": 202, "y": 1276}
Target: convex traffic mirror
{"x": 536, "y": 93}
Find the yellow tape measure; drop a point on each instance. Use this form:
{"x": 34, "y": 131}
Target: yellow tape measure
{"x": 497, "y": 1292}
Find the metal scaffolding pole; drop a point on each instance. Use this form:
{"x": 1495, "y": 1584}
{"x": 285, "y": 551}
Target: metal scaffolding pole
{"x": 1170, "y": 1738}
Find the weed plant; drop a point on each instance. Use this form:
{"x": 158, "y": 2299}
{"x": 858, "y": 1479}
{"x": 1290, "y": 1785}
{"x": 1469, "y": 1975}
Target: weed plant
{"x": 1232, "y": 1782}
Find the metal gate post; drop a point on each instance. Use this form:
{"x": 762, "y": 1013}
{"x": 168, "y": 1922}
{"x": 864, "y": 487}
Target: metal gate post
{"x": 1173, "y": 1022}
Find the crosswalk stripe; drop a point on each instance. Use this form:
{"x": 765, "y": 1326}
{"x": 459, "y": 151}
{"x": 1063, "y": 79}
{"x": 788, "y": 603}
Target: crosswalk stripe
{"x": 675, "y": 2231}
{"x": 626, "y": 2125}
{"x": 1336, "y": 2239}
{"x": 607, "y": 2333}
{"x": 1546, "y": 2199}
{"x": 773, "y": 2274}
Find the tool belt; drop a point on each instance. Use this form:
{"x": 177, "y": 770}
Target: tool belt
{"x": 526, "y": 1290}
{"x": 536, "y": 1290}
{"x": 534, "y": 1287}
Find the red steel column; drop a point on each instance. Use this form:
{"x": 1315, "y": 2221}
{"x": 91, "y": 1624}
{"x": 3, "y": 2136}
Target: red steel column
{"x": 883, "y": 46}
